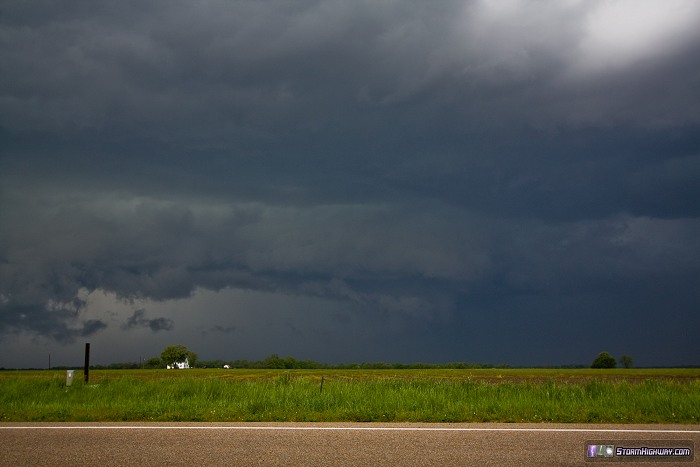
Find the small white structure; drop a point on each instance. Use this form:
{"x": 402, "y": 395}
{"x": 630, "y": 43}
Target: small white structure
{"x": 227, "y": 367}
{"x": 179, "y": 365}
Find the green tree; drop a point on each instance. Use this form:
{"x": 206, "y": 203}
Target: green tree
{"x": 626, "y": 361}
{"x": 604, "y": 360}
{"x": 154, "y": 362}
{"x": 273, "y": 361}
{"x": 177, "y": 354}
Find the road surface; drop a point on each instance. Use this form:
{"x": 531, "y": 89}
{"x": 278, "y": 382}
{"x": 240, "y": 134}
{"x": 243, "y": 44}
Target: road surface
{"x": 320, "y": 444}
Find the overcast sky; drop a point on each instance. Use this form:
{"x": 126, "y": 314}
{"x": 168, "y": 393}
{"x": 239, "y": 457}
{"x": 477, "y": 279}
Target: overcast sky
{"x": 502, "y": 182}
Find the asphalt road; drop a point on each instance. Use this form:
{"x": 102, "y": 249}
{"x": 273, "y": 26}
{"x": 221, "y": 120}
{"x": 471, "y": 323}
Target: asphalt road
{"x": 351, "y": 444}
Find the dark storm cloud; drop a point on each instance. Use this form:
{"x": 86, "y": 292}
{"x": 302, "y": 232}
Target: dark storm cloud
{"x": 224, "y": 330}
{"x": 55, "y": 320}
{"x": 433, "y": 162}
{"x": 309, "y": 68}
{"x": 367, "y": 98}
{"x": 163, "y": 249}
{"x": 138, "y": 319}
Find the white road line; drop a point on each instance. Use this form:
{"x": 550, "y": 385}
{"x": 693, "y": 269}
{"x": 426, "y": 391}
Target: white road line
{"x": 327, "y": 428}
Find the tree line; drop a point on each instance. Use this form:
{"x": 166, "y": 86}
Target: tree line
{"x": 178, "y": 353}
{"x": 290, "y": 363}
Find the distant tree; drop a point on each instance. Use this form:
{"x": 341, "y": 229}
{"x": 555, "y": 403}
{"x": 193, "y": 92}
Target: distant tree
{"x": 176, "y": 354}
{"x": 273, "y": 361}
{"x": 626, "y": 361}
{"x": 154, "y": 362}
{"x": 604, "y": 360}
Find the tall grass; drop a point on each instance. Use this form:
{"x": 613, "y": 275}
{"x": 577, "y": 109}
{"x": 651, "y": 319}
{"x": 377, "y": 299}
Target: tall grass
{"x": 289, "y": 397}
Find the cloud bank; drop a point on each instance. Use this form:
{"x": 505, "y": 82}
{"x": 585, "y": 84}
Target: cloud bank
{"x": 445, "y": 181}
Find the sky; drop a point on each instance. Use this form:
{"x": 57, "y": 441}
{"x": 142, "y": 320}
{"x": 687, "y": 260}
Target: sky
{"x": 509, "y": 182}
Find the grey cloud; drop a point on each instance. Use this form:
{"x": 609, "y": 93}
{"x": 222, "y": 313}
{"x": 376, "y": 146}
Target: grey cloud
{"x": 283, "y": 66}
{"x": 667, "y": 187}
{"x": 416, "y": 163}
{"x": 363, "y": 254}
{"x": 127, "y": 247}
{"x": 138, "y": 319}
{"x": 224, "y": 329}
{"x": 91, "y": 326}
{"x": 56, "y": 320}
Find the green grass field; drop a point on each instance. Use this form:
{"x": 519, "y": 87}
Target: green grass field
{"x": 493, "y": 395}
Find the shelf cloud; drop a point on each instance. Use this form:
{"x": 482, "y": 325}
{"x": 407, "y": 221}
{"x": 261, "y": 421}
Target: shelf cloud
{"x": 501, "y": 182}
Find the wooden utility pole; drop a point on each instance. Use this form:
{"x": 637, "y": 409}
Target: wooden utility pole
{"x": 87, "y": 362}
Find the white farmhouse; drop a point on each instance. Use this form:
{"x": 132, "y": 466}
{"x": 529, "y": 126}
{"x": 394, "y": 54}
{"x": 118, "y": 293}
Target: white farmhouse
{"x": 179, "y": 365}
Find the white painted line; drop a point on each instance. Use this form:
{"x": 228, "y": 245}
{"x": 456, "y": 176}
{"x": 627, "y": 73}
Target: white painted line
{"x": 328, "y": 428}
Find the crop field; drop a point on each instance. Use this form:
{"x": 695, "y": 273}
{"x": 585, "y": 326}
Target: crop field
{"x": 433, "y": 395}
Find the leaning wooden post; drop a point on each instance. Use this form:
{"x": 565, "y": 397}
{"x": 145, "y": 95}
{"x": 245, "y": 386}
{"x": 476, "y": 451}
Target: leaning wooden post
{"x": 87, "y": 362}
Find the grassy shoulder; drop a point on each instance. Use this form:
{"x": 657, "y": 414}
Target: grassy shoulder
{"x": 493, "y": 395}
